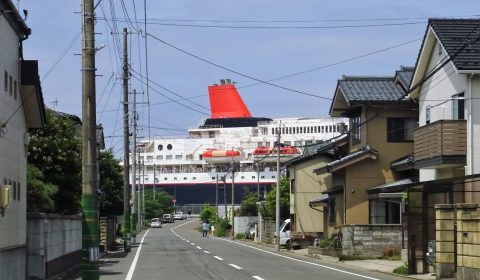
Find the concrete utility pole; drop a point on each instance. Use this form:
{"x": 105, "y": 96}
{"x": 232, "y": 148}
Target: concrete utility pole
{"x": 233, "y": 197}
{"x": 154, "y": 182}
{"x": 90, "y": 267}
{"x": 143, "y": 193}
{"x": 134, "y": 170}
{"x": 216, "y": 200}
{"x": 277, "y": 193}
{"x": 126, "y": 151}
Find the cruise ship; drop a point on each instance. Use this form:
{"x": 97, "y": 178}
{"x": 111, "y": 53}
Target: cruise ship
{"x": 229, "y": 150}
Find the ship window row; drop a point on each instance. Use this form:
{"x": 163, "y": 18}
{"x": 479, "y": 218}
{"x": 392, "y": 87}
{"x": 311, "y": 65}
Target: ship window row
{"x": 290, "y": 143}
{"x": 307, "y": 129}
{"x": 139, "y": 180}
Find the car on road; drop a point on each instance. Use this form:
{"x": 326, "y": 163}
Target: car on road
{"x": 155, "y": 223}
{"x": 179, "y": 216}
{"x": 168, "y": 218}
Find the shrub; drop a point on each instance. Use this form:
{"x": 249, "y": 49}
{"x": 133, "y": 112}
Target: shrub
{"x": 240, "y": 235}
{"x": 401, "y": 269}
{"x": 220, "y": 227}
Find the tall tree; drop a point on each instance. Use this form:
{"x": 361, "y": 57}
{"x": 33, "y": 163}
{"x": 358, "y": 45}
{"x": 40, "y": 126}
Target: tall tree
{"x": 248, "y": 207}
{"x": 55, "y": 151}
{"x": 268, "y": 209}
{"x": 162, "y": 204}
{"x": 39, "y": 194}
{"x": 111, "y": 185}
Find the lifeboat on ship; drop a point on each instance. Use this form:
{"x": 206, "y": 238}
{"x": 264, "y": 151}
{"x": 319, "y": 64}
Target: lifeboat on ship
{"x": 221, "y": 156}
{"x": 269, "y": 154}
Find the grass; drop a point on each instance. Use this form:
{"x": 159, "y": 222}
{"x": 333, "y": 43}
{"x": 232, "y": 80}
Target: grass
{"x": 403, "y": 270}
{"x": 353, "y": 258}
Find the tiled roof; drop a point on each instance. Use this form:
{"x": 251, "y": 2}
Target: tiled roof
{"x": 455, "y": 34}
{"x": 404, "y": 75}
{"x": 370, "y": 89}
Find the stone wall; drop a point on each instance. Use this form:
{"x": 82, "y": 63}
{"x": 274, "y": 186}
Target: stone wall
{"x": 54, "y": 244}
{"x": 468, "y": 241}
{"x": 370, "y": 240}
{"x": 108, "y": 233}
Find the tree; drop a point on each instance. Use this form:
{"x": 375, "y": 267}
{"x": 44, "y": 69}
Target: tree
{"x": 248, "y": 207}
{"x": 268, "y": 209}
{"x": 39, "y": 194}
{"x": 56, "y": 151}
{"x": 111, "y": 185}
{"x": 162, "y": 204}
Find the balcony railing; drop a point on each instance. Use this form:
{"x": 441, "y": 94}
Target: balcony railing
{"x": 443, "y": 139}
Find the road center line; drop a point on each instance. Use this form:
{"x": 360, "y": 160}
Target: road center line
{"x": 206, "y": 252}
{"x": 258, "y": 277}
{"x": 218, "y": 258}
{"x": 234, "y": 265}
{"x": 301, "y": 261}
{"x": 134, "y": 263}
{"x": 199, "y": 248}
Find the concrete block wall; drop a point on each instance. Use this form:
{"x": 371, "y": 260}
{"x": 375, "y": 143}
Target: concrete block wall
{"x": 445, "y": 240}
{"x": 370, "y": 240}
{"x": 54, "y": 243}
{"x": 468, "y": 241}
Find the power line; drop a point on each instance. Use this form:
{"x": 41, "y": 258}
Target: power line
{"x": 234, "y": 71}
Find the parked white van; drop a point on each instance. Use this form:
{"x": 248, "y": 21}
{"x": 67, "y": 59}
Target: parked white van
{"x": 285, "y": 234}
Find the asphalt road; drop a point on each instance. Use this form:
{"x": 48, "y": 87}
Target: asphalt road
{"x": 178, "y": 251}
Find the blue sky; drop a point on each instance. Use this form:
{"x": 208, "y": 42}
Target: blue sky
{"x": 243, "y": 36}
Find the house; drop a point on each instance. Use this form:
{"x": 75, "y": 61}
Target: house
{"x": 446, "y": 86}
{"x": 307, "y": 216}
{"x": 381, "y": 122}
{"x": 21, "y": 109}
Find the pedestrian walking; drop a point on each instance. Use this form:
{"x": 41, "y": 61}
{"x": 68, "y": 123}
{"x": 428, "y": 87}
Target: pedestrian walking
{"x": 205, "y": 228}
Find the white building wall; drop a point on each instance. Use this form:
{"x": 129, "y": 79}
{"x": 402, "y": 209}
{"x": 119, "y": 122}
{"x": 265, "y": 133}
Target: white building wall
{"x": 12, "y": 150}
{"x": 473, "y": 127}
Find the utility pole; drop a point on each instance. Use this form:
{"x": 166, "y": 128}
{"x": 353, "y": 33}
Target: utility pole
{"x": 277, "y": 193}
{"x": 126, "y": 152}
{"x": 90, "y": 267}
{"x": 137, "y": 189}
{"x": 225, "y": 195}
{"x": 216, "y": 200}
{"x": 154, "y": 182}
{"x": 143, "y": 193}
{"x": 233, "y": 198}
{"x": 134, "y": 169}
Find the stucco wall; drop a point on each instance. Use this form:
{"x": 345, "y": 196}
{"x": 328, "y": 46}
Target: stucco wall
{"x": 307, "y": 187}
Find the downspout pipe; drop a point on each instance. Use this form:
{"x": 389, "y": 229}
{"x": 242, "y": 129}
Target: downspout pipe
{"x": 470, "y": 122}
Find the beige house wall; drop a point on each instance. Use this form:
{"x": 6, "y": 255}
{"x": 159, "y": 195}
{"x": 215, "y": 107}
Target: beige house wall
{"x": 369, "y": 173}
{"x": 307, "y": 187}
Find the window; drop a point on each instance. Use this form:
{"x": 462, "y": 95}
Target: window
{"x": 356, "y": 129}
{"x": 194, "y": 178}
{"x": 384, "y": 212}
{"x": 18, "y": 191}
{"x": 259, "y": 144}
{"x": 165, "y": 178}
{"x": 174, "y": 178}
{"x": 458, "y": 106}
{"x": 160, "y": 157}
{"x": 427, "y": 114}
{"x": 267, "y": 144}
{"x": 5, "y": 81}
{"x": 301, "y": 129}
{"x": 149, "y": 157}
{"x": 400, "y": 129}
{"x": 297, "y": 143}
{"x": 14, "y": 192}
{"x": 10, "y": 87}
{"x": 263, "y": 177}
{"x": 185, "y": 178}
{"x": 178, "y": 157}
{"x": 332, "y": 215}
{"x": 242, "y": 177}
{"x": 253, "y": 177}
{"x": 308, "y": 142}
{"x": 169, "y": 147}
{"x": 287, "y": 143}
{"x": 273, "y": 176}
{"x": 168, "y": 157}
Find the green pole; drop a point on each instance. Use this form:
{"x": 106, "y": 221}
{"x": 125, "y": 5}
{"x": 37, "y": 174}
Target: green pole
{"x": 126, "y": 143}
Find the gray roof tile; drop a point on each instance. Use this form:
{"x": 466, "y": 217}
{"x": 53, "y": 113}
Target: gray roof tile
{"x": 370, "y": 89}
{"x": 461, "y": 40}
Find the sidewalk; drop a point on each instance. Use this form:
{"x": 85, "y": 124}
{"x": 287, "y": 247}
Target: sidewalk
{"x": 384, "y": 266}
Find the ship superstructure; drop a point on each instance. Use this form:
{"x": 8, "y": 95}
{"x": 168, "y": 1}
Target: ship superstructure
{"x": 192, "y": 169}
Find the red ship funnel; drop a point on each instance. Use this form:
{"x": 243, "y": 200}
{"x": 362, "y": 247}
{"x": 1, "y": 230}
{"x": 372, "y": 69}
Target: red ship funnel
{"x": 225, "y": 102}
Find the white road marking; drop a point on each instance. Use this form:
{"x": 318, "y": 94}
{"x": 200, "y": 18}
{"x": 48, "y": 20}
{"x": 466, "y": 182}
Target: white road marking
{"x": 218, "y": 258}
{"x": 199, "y": 248}
{"x": 134, "y": 263}
{"x": 258, "y": 277}
{"x": 234, "y": 265}
{"x": 206, "y": 252}
{"x": 188, "y": 241}
{"x": 193, "y": 244}
{"x": 301, "y": 261}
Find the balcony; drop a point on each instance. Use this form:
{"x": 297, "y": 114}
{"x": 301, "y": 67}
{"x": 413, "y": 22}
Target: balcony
{"x": 442, "y": 144}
